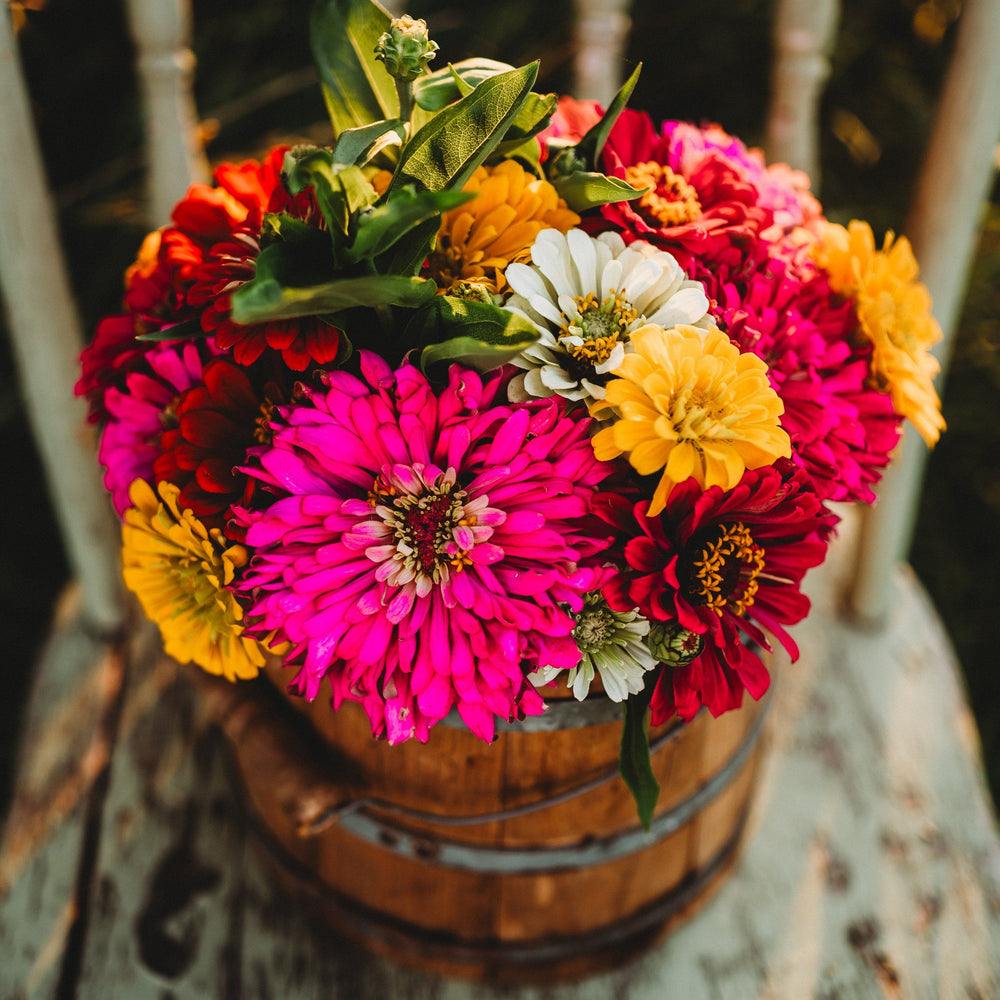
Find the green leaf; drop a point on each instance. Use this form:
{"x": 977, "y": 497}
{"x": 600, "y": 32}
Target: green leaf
{"x": 407, "y": 256}
{"x": 535, "y": 114}
{"x": 340, "y": 192}
{"x": 583, "y": 189}
{"x": 590, "y": 146}
{"x": 527, "y": 151}
{"x": 285, "y": 286}
{"x": 358, "y": 145}
{"x": 406, "y": 209}
{"x": 281, "y": 228}
{"x": 478, "y": 334}
{"x": 439, "y": 89}
{"x": 463, "y": 88}
{"x": 190, "y": 329}
{"x": 356, "y": 87}
{"x": 446, "y": 151}
{"x": 633, "y": 761}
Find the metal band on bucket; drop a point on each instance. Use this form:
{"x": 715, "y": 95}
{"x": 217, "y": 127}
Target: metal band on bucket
{"x": 372, "y": 820}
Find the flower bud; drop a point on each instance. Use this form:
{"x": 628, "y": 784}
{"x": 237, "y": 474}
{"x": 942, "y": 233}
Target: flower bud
{"x": 406, "y": 48}
{"x": 673, "y": 644}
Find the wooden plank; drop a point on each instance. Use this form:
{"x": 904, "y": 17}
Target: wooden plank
{"x": 64, "y": 750}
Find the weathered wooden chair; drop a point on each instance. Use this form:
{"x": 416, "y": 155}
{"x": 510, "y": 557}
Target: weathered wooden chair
{"x": 872, "y": 864}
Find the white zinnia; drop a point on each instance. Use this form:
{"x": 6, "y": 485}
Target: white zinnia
{"x": 610, "y": 644}
{"x": 585, "y": 295}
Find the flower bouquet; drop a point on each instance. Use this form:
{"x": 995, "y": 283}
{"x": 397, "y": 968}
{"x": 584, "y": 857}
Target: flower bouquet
{"x": 496, "y": 397}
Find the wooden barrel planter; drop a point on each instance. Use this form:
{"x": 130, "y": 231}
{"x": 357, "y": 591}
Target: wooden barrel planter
{"x": 520, "y": 861}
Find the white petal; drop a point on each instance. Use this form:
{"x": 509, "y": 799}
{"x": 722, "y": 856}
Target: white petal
{"x": 553, "y": 262}
{"x": 556, "y": 379}
{"x": 686, "y": 306}
{"x": 581, "y": 249}
{"x": 614, "y": 242}
{"x": 615, "y": 358}
{"x": 611, "y": 277}
{"x": 534, "y": 386}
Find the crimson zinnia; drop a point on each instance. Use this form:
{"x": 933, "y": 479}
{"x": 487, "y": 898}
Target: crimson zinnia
{"x": 723, "y": 569}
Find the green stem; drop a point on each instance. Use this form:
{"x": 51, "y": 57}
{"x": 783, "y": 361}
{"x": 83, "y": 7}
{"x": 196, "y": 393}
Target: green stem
{"x": 404, "y": 91}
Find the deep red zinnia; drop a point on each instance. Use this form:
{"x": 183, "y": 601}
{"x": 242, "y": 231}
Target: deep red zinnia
{"x": 725, "y": 566}
{"x": 217, "y": 423}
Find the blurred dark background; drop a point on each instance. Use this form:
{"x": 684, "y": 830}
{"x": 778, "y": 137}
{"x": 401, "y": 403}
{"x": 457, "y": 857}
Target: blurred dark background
{"x": 705, "y": 62}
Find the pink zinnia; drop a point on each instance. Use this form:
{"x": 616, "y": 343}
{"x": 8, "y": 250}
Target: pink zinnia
{"x": 139, "y": 413}
{"x": 698, "y": 206}
{"x": 425, "y": 545}
{"x": 724, "y": 566}
{"x": 782, "y": 191}
{"x": 842, "y": 429}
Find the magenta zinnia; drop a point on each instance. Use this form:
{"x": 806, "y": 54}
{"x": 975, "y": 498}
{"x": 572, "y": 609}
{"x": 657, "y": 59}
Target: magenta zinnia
{"x": 425, "y": 546}
{"x": 842, "y": 428}
{"x": 724, "y": 566}
{"x": 143, "y": 409}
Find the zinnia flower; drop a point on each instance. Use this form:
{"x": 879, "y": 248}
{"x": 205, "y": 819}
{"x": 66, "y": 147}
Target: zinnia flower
{"x": 687, "y": 402}
{"x": 585, "y": 296}
{"x": 720, "y": 565}
{"x": 138, "y": 413}
{"x": 213, "y": 425}
{"x": 479, "y": 239}
{"x": 611, "y": 646}
{"x": 894, "y": 314}
{"x": 232, "y": 263}
{"x": 190, "y": 268}
{"x": 841, "y": 428}
{"x": 696, "y": 207}
{"x": 782, "y": 191}
{"x": 424, "y": 545}
{"x": 180, "y": 570}
{"x": 107, "y": 361}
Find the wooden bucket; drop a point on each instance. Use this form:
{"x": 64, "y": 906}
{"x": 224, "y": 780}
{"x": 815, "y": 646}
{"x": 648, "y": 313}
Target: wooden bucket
{"x": 520, "y": 861}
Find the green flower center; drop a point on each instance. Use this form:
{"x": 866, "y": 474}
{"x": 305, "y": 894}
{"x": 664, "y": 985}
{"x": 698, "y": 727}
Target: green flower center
{"x": 595, "y": 628}
{"x": 601, "y": 325}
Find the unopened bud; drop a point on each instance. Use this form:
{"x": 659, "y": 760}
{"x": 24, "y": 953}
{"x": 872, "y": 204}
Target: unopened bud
{"x": 673, "y": 644}
{"x": 406, "y": 48}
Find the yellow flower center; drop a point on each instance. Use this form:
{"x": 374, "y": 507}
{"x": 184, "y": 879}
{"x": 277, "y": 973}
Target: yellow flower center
{"x": 726, "y": 571}
{"x": 671, "y": 202}
{"x": 262, "y": 432}
{"x": 601, "y": 325}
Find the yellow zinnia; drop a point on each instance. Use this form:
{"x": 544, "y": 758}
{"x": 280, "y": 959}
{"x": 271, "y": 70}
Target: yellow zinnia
{"x": 479, "y": 239}
{"x": 689, "y": 403}
{"x": 178, "y": 569}
{"x": 894, "y": 314}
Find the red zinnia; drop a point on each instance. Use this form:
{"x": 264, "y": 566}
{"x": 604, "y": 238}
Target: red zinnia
{"x": 722, "y": 566}
{"x": 217, "y": 423}
{"x": 230, "y": 264}
{"x": 694, "y": 209}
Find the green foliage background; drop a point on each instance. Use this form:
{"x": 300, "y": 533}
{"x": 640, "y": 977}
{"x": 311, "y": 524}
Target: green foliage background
{"x": 705, "y": 62}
